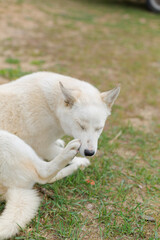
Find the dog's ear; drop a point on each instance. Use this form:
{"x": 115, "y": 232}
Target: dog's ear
{"x": 109, "y": 97}
{"x": 69, "y": 99}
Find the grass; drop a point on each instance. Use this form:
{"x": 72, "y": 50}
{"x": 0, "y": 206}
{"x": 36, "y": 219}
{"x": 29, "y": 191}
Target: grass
{"x": 125, "y": 190}
{"x": 12, "y": 73}
{"x": 12, "y": 61}
{"x": 105, "y": 43}
{"x": 38, "y": 62}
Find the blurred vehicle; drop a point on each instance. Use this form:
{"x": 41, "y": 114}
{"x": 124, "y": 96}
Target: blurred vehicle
{"x": 154, "y": 5}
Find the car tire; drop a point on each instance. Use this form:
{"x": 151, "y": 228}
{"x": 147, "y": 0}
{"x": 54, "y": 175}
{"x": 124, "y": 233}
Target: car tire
{"x": 154, "y": 5}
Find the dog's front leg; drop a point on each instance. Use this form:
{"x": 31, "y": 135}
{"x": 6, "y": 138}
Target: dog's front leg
{"x": 53, "y": 150}
{"x": 48, "y": 170}
{"x": 74, "y": 165}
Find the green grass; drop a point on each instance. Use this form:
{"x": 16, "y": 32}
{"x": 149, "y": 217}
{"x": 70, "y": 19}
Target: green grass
{"x": 105, "y": 43}
{"x": 38, "y": 62}
{"x": 12, "y": 61}
{"x": 12, "y": 73}
{"x": 124, "y": 191}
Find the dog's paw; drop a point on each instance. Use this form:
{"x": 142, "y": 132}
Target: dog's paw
{"x": 71, "y": 149}
{"x": 60, "y": 143}
{"x": 81, "y": 163}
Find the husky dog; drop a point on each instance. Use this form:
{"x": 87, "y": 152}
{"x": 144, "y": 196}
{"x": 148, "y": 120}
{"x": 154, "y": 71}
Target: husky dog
{"x": 37, "y": 110}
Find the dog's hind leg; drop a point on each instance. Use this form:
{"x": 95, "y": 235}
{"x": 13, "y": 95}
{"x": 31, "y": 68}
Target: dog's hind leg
{"x": 48, "y": 170}
{"x": 75, "y": 164}
{"x": 20, "y": 168}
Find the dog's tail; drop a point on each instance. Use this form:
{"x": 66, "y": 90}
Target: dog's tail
{"x": 21, "y": 207}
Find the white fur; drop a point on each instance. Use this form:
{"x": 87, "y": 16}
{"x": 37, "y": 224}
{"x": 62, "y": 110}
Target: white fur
{"x": 21, "y": 207}
{"x": 40, "y": 108}
{"x": 20, "y": 169}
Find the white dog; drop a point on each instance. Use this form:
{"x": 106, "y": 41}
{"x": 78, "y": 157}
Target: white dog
{"x": 40, "y": 108}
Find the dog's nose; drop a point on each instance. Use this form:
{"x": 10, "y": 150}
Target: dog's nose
{"x": 89, "y": 152}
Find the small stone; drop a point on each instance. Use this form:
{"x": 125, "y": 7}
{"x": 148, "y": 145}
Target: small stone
{"x": 148, "y": 218}
{"x": 89, "y": 206}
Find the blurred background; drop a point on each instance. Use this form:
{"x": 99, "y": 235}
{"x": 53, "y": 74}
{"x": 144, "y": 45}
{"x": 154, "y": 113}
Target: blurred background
{"x": 105, "y": 43}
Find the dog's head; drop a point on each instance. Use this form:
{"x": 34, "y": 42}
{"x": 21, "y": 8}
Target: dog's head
{"x": 83, "y": 114}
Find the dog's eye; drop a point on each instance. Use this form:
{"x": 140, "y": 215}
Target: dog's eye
{"x": 82, "y": 127}
{"x": 98, "y": 129}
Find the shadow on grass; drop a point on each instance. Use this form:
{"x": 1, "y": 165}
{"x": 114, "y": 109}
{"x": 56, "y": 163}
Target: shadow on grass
{"x": 126, "y": 5}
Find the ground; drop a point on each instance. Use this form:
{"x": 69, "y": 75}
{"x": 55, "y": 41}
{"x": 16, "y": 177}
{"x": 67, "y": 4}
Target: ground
{"x": 106, "y": 43}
